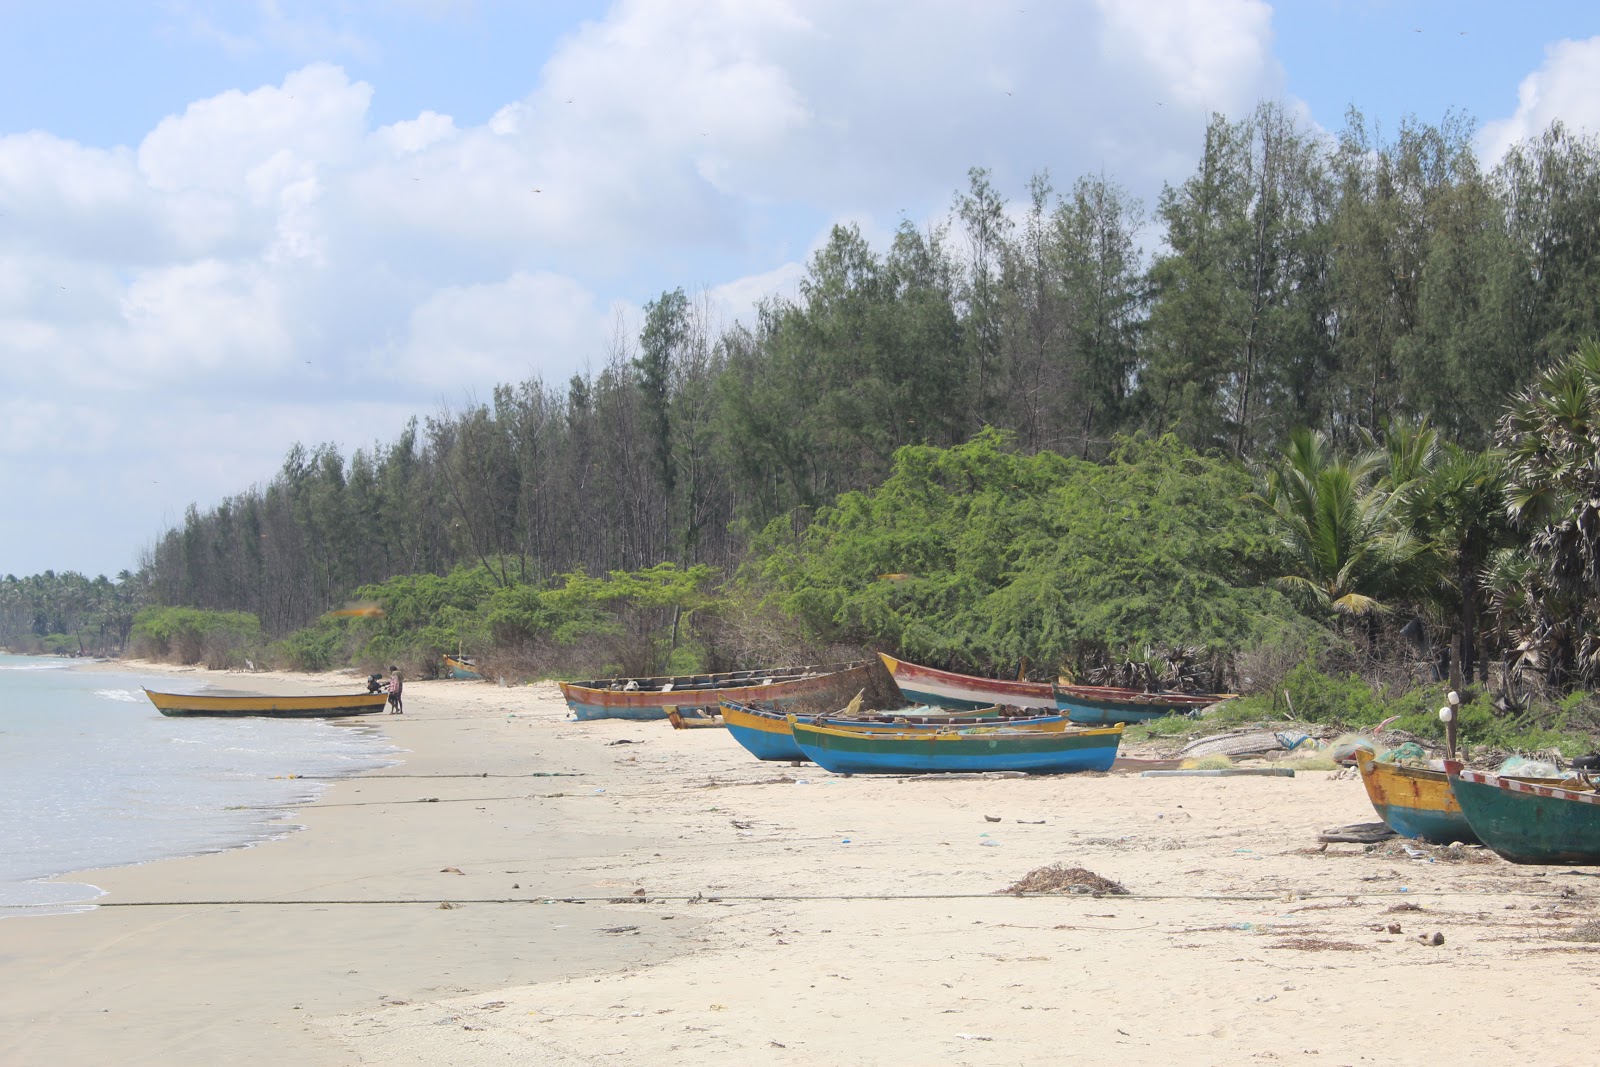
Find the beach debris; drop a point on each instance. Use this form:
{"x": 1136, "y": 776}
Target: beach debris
{"x": 975, "y": 1037}
{"x": 1058, "y": 879}
{"x": 991, "y": 818}
{"x": 1031, "y": 822}
{"x": 1240, "y": 744}
{"x": 624, "y": 741}
{"x": 619, "y": 929}
{"x": 639, "y": 897}
{"x": 1435, "y": 940}
{"x": 427, "y": 800}
{"x": 451, "y": 870}
{"x": 741, "y": 824}
{"x": 445, "y": 905}
{"x": 1361, "y": 833}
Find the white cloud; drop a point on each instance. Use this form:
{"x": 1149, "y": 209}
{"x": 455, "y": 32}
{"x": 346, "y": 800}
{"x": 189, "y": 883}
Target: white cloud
{"x": 472, "y": 337}
{"x": 271, "y": 252}
{"x": 1567, "y": 88}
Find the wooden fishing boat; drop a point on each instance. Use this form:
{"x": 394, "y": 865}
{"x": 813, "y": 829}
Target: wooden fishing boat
{"x": 1529, "y": 821}
{"x": 765, "y": 733}
{"x": 1097, "y": 705}
{"x": 313, "y": 707}
{"x": 1414, "y": 801}
{"x": 920, "y": 751}
{"x": 929, "y": 685}
{"x": 649, "y": 698}
{"x": 463, "y": 669}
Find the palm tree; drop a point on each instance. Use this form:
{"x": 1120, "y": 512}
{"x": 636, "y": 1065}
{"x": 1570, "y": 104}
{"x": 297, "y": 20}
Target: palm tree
{"x": 1336, "y": 519}
{"x": 1551, "y": 438}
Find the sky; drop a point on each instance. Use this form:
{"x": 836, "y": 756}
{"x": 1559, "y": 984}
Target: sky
{"x": 227, "y": 227}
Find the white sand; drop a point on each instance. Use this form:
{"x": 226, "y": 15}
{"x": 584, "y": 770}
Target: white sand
{"x": 883, "y": 941}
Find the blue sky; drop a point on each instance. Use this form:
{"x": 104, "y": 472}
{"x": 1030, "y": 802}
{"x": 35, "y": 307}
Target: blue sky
{"x": 228, "y": 227}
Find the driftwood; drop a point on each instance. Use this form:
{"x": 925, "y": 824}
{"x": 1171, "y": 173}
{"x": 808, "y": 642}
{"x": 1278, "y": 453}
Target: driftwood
{"x": 1361, "y": 833}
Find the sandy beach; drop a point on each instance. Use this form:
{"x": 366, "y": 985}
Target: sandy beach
{"x": 524, "y": 888}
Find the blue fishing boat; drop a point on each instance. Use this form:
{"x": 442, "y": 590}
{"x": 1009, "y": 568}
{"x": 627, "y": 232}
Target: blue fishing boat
{"x": 765, "y": 733}
{"x": 920, "y": 751}
{"x": 1415, "y": 801}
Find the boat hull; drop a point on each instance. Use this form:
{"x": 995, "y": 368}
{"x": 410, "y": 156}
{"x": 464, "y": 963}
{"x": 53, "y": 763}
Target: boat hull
{"x": 947, "y": 689}
{"x": 934, "y": 751}
{"x": 462, "y": 670}
{"x": 1415, "y": 801}
{"x": 765, "y": 733}
{"x": 1530, "y": 822}
{"x": 830, "y": 686}
{"x": 312, "y": 707}
{"x": 1095, "y": 705}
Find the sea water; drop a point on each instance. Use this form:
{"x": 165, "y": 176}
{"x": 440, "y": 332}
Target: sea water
{"x": 92, "y": 775}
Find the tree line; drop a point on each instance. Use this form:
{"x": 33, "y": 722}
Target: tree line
{"x": 1304, "y": 295}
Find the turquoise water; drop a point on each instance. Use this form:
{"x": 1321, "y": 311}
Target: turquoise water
{"x": 91, "y": 775}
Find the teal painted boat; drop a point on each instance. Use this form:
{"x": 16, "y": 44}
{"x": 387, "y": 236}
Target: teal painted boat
{"x": 1103, "y": 705}
{"x": 923, "y": 751}
{"x": 1529, "y": 822}
{"x": 463, "y": 669}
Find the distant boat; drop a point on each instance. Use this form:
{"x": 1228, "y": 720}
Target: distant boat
{"x": 1529, "y": 821}
{"x": 1414, "y": 801}
{"x": 313, "y": 707}
{"x": 765, "y": 732}
{"x": 1100, "y": 705}
{"x": 922, "y": 751}
{"x": 929, "y": 685}
{"x": 463, "y": 669}
{"x": 649, "y": 698}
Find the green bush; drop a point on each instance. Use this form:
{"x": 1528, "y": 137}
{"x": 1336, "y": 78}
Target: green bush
{"x": 188, "y": 635}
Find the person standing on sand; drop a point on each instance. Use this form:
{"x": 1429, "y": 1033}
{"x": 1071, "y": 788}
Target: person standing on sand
{"x": 396, "y": 685}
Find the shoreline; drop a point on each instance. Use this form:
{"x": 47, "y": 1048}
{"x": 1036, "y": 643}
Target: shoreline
{"x": 740, "y": 912}
{"x": 226, "y": 956}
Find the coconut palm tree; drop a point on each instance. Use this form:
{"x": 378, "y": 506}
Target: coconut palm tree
{"x": 1335, "y": 515}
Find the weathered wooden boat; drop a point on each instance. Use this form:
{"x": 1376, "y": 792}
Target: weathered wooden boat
{"x": 462, "y": 669}
{"x": 933, "y": 751}
{"x": 1414, "y": 801}
{"x": 1529, "y": 821}
{"x": 323, "y": 706}
{"x": 929, "y": 685}
{"x": 649, "y": 698}
{"x": 1096, "y": 705}
{"x": 765, "y": 732}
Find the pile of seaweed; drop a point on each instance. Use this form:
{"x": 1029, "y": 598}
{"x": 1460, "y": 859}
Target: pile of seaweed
{"x": 1059, "y": 879}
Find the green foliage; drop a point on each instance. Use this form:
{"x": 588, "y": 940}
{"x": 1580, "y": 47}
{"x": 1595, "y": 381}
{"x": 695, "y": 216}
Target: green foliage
{"x": 187, "y": 635}
{"x": 993, "y": 556}
{"x": 316, "y": 648}
{"x": 1351, "y": 702}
